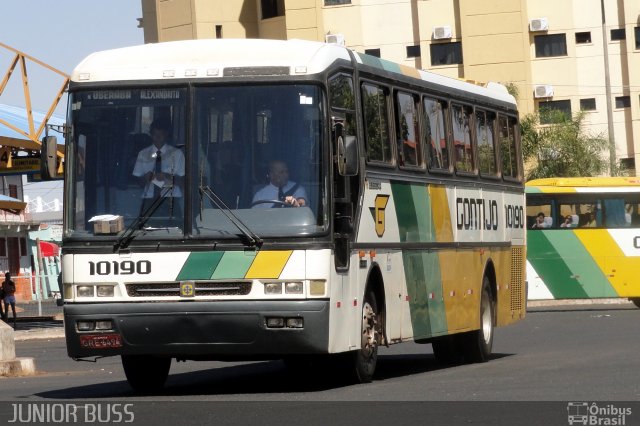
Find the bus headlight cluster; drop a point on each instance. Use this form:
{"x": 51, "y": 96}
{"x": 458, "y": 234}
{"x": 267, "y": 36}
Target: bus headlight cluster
{"x": 293, "y": 287}
{"x": 101, "y": 290}
{"x": 89, "y": 325}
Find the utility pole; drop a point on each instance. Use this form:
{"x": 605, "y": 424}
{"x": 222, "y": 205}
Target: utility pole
{"x": 607, "y": 82}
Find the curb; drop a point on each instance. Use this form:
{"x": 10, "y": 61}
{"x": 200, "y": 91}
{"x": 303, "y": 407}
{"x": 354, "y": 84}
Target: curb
{"x": 18, "y": 367}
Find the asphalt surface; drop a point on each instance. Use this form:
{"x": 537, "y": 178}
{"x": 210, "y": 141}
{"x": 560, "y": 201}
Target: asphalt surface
{"x": 556, "y": 355}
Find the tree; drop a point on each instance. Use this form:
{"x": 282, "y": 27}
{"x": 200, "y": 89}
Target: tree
{"x": 557, "y": 145}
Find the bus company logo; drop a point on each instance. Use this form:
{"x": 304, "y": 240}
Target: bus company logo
{"x": 583, "y": 413}
{"x": 187, "y": 289}
{"x": 379, "y": 206}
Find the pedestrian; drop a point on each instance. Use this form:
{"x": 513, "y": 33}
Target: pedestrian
{"x": 9, "y": 290}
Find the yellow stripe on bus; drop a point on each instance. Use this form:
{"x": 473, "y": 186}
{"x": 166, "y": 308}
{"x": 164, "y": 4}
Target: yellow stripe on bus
{"x": 268, "y": 264}
{"x": 441, "y": 215}
{"x": 620, "y": 270}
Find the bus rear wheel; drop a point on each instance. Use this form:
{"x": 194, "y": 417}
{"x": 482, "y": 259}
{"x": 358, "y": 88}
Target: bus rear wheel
{"x": 479, "y": 343}
{"x": 636, "y": 301}
{"x": 146, "y": 373}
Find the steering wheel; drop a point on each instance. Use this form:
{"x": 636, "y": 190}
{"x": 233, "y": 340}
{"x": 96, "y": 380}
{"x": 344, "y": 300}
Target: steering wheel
{"x": 277, "y": 202}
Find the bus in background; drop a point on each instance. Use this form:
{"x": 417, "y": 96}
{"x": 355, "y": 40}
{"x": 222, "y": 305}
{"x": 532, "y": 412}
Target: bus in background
{"x": 260, "y": 199}
{"x": 583, "y": 238}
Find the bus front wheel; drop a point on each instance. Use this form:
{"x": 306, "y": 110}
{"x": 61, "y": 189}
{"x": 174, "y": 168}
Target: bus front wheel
{"x": 146, "y": 374}
{"x": 364, "y": 361}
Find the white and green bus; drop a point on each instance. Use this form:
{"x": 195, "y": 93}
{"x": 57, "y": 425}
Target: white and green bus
{"x": 258, "y": 199}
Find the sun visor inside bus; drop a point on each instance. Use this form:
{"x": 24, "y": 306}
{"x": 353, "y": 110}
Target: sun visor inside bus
{"x": 255, "y": 71}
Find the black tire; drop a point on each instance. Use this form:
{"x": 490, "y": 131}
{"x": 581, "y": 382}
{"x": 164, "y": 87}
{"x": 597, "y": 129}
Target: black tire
{"x": 478, "y": 343}
{"x": 146, "y": 374}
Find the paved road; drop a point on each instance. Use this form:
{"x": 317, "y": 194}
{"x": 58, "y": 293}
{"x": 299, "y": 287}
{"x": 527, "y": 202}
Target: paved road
{"x": 558, "y": 354}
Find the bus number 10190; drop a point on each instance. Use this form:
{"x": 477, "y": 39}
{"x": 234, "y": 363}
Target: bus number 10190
{"x": 125, "y": 267}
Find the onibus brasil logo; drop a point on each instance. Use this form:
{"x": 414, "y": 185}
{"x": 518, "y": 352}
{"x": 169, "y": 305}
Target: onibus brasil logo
{"x": 609, "y": 414}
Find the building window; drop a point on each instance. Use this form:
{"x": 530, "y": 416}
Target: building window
{"x": 636, "y": 30}
{"x": 583, "y": 37}
{"x": 3, "y": 247}
{"x": 588, "y": 104}
{"x": 218, "y": 31}
{"x": 547, "y": 107}
{"x": 272, "y": 8}
{"x": 372, "y": 52}
{"x": 550, "y": 45}
{"x": 23, "y": 246}
{"x": 623, "y": 101}
{"x": 628, "y": 163}
{"x": 618, "y": 34}
{"x": 376, "y": 124}
{"x": 336, "y": 2}
{"x": 13, "y": 191}
{"x": 446, "y": 53}
{"x": 413, "y": 51}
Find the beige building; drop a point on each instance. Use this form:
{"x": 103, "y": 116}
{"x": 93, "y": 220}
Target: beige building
{"x": 558, "y": 53}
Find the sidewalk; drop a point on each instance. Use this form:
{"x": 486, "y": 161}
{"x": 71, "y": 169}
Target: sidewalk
{"x": 30, "y": 329}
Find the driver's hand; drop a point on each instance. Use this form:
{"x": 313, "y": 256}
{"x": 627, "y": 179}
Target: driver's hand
{"x": 291, "y": 200}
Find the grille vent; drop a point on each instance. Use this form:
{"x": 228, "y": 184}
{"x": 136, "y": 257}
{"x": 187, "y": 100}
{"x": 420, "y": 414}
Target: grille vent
{"x": 517, "y": 278}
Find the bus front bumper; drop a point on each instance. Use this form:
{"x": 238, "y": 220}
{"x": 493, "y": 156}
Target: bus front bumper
{"x": 198, "y": 330}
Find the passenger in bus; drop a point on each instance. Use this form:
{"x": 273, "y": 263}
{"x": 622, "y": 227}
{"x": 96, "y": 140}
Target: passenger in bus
{"x": 286, "y": 193}
{"x": 540, "y": 222}
{"x": 160, "y": 166}
{"x": 591, "y": 221}
{"x": 568, "y": 222}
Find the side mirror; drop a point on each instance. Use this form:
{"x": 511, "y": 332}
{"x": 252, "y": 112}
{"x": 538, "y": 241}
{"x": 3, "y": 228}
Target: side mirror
{"x": 49, "y": 158}
{"x": 346, "y": 151}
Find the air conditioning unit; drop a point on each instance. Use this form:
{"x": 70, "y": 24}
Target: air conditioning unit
{"x": 335, "y": 39}
{"x": 539, "y": 24}
{"x": 542, "y": 91}
{"x": 440, "y": 33}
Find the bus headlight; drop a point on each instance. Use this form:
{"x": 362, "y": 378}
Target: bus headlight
{"x": 105, "y": 290}
{"x": 293, "y": 288}
{"x": 273, "y": 288}
{"x": 85, "y": 291}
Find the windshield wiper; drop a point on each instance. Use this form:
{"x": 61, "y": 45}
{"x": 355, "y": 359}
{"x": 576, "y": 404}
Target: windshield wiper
{"x": 130, "y": 233}
{"x": 253, "y": 240}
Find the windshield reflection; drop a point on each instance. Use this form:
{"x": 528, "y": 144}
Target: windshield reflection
{"x": 257, "y": 148}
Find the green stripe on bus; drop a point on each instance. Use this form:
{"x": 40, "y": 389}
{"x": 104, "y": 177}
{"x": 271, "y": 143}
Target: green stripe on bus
{"x": 234, "y": 264}
{"x": 581, "y": 263}
{"x": 413, "y": 211}
{"x": 424, "y": 288}
{"x": 551, "y": 268}
{"x": 200, "y": 265}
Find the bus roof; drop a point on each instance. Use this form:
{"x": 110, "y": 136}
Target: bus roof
{"x": 583, "y": 184}
{"x": 210, "y": 58}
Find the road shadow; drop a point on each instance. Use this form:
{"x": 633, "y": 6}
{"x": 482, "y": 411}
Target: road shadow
{"x": 269, "y": 377}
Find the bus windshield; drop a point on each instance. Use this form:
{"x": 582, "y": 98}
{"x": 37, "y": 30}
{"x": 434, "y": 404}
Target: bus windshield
{"x": 139, "y": 153}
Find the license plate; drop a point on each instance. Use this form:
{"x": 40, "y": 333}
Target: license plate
{"x": 101, "y": 341}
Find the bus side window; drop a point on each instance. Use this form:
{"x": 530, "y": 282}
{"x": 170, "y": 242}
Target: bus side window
{"x": 435, "y": 133}
{"x": 376, "y": 123}
{"x": 407, "y": 133}
{"x": 507, "y": 130}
